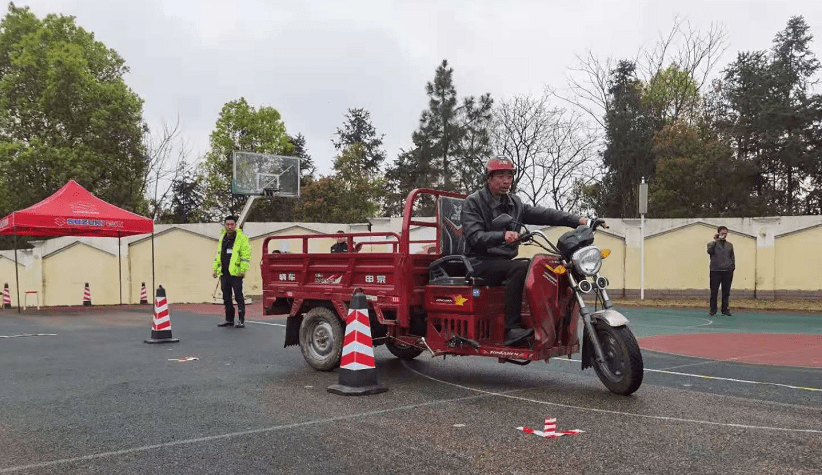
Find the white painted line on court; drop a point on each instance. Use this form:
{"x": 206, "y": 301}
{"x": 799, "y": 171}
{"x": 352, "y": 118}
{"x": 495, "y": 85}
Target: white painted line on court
{"x": 639, "y": 323}
{"x": 28, "y": 334}
{"x": 620, "y": 413}
{"x": 705, "y": 376}
{"x": 266, "y": 323}
{"x": 229, "y": 435}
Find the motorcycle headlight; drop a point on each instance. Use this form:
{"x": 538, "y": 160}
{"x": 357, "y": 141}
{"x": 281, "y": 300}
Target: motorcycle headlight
{"x": 588, "y": 260}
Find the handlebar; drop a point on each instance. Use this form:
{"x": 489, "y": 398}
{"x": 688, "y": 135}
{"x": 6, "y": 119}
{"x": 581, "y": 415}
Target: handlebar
{"x": 594, "y": 223}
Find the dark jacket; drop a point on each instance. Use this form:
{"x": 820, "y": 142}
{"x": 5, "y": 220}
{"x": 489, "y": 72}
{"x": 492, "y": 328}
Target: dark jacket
{"x": 722, "y": 256}
{"x": 339, "y": 247}
{"x": 480, "y": 208}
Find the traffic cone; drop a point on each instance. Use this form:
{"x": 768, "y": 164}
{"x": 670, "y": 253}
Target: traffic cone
{"x": 6, "y": 296}
{"x": 358, "y": 374}
{"x": 87, "y": 296}
{"x": 143, "y": 295}
{"x": 161, "y": 324}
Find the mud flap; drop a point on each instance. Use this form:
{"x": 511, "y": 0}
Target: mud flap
{"x": 587, "y": 349}
{"x": 292, "y": 330}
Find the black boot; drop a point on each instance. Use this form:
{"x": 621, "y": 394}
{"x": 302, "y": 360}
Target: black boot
{"x": 515, "y": 335}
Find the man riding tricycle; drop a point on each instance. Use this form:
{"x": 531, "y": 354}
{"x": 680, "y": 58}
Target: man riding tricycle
{"x": 468, "y": 295}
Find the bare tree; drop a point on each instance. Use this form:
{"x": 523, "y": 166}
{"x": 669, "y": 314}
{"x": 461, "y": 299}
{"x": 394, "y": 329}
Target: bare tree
{"x": 166, "y": 153}
{"x": 570, "y": 160}
{"x": 552, "y": 148}
{"x": 683, "y": 48}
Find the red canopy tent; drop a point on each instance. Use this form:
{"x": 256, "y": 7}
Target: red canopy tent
{"x": 73, "y": 211}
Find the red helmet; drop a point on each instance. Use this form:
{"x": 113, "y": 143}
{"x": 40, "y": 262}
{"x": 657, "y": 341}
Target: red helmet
{"x": 495, "y": 164}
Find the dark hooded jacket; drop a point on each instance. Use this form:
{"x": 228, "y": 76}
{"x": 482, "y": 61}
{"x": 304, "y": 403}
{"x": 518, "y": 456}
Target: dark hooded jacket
{"x": 480, "y": 208}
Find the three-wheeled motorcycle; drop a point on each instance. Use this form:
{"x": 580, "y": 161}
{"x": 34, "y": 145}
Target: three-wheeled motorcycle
{"x": 423, "y": 298}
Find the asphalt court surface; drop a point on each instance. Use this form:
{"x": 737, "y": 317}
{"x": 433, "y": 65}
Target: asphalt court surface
{"x": 81, "y": 393}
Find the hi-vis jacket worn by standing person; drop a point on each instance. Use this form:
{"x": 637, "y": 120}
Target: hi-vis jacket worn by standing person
{"x": 240, "y": 255}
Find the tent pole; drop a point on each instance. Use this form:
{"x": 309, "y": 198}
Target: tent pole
{"x": 153, "y": 287}
{"x": 16, "y": 271}
{"x": 120, "y": 266}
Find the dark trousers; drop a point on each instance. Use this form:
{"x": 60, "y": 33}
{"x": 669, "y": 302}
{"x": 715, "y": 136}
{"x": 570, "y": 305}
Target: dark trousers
{"x": 723, "y": 278}
{"x": 231, "y": 283}
{"x": 512, "y": 272}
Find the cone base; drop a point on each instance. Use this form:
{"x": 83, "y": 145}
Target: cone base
{"x": 352, "y": 391}
{"x": 357, "y": 383}
{"x": 6, "y": 305}
{"x": 87, "y": 303}
{"x": 162, "y": 340}
{"x": 143, "y": 302}
{"x": 161, "y": 336}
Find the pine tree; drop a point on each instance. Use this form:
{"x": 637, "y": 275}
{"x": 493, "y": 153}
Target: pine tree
{"x": 450, "y": 145}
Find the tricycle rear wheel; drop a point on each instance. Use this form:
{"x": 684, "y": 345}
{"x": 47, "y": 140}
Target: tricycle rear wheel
{"x": 321, "y": 338}
{"x": 623, "y": 369}
{"x": 402, "y": 350}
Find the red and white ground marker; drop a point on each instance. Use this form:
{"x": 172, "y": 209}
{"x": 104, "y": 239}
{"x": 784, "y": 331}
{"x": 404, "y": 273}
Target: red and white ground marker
{"x": 550, "y": 430}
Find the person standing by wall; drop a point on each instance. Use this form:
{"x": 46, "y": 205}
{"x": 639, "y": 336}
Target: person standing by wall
{"x": 341, "y": 245}
{"x": 723, "y": 264}
{"x": 231, "y": 263}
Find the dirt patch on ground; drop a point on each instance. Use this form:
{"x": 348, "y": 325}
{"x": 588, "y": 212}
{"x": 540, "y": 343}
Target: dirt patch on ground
{"x": 780, "y": 305}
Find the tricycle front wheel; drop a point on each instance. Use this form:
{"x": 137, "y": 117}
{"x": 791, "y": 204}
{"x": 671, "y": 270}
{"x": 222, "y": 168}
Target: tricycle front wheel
{"x": 321, "y": 338}
{"x": 623, "y": 369}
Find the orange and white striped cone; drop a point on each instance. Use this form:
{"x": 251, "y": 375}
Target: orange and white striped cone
{"x": 143, "y": 295}
{"x": 6, "y": 296}
{"x": 358, "y": 373}
{"x": 87, "y": 296}
{"x": 161, "y": 324}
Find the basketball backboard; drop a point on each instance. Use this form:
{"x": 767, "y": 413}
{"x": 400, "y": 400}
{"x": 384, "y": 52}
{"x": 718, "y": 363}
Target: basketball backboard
{"x": 260, "y": 174}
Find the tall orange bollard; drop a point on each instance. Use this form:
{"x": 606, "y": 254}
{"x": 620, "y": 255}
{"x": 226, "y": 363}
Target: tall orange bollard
{"x": 87, "y": 296}
{"x": 6, "y": 296}
{"x": 143, "y": 295}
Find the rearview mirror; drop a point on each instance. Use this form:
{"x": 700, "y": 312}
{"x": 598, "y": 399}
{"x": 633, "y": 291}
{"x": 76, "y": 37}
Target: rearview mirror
{"x": 501, "y": 222}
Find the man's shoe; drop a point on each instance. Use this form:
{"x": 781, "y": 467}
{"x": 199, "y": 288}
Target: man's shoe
{"x": 713, "y": 314}
{"x": 226, "y": 324}
{"x": 240, "y": 325}
{"x": 727, "y": 313}
{"x": 514, "y": 335}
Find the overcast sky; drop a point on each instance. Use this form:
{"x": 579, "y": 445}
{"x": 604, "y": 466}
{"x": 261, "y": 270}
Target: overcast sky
{"x": 313, "y": 60}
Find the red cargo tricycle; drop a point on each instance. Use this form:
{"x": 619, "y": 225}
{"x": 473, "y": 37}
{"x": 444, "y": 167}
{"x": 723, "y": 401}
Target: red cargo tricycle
{"x": 423, "y": 298}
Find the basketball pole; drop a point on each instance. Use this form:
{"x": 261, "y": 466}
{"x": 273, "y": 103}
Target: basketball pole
{"x": 246, "y": 210}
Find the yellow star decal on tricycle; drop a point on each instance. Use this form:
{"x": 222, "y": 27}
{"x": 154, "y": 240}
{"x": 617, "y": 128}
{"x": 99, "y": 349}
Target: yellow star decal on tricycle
{"x": 459, "y": 300}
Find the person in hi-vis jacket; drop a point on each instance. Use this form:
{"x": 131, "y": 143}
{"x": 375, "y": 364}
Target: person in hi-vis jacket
{"x": 230, "y": 264}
